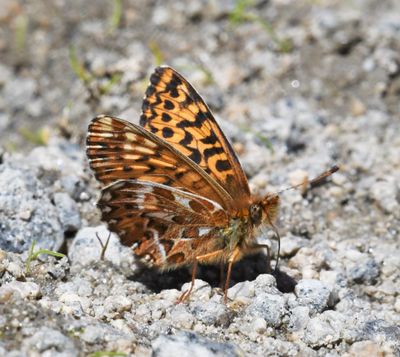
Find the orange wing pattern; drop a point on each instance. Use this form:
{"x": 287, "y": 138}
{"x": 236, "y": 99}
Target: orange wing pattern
{"x": 119, "y": 150}
{"x": 174, "y": 111}
{"x": 165, "y": 225}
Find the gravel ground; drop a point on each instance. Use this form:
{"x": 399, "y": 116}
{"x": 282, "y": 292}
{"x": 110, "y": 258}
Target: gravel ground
{"x": 296, "y": 86}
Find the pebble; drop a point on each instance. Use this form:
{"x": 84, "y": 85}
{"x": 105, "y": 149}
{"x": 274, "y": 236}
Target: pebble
{"x": 268, "y": 306}
{"x": 365, "y": 349}
{"x": 68, "y": 212}
{"x": 385, "y": 193}
{"x": 324, "y": 329}
{"x": 210, "y": 313}
{"x": 86, "y": 248}
{"x": 314, "y": 294}
{"x": 242, "y": 291}
{"x": 27, "y": 290}
{"x": 190, "y": 344}
{"x": 299, "y": 318}
{"x": 291, "y": 244}
{"x": 201, "y": 290}
{"x": 182, "y": 318}
{"x": 49, "y": 342}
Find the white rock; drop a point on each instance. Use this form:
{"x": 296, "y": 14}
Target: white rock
{"x": 25, "y": 289}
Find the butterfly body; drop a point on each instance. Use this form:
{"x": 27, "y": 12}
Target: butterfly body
{"x": 174, "y": 189}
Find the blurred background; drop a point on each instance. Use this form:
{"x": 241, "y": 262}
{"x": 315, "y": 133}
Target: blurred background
{"x": 63, "y": 62}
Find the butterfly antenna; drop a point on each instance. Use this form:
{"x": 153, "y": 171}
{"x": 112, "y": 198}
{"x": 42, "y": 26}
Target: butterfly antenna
{"x": 314, "y": 182}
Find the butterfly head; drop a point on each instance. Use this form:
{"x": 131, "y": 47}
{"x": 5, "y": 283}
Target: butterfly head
{"x": 264, "y": 210}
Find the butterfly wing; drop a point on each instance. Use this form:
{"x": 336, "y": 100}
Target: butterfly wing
{"x": 165, "y": 225}
{"x": 174, "y": 111}
{"x": 118, "y": 150}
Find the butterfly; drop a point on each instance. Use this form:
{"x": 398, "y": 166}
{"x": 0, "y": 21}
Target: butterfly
{"x": 174, "y": 189}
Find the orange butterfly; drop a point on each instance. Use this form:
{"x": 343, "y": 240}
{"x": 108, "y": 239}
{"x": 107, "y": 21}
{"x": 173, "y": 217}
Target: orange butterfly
{"x": 176, "y": 192}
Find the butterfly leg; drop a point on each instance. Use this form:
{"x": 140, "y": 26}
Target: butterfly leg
{"x": 221, "y": 274}
{"x": 231, "y": 260}
{"x": 186, "y": 293}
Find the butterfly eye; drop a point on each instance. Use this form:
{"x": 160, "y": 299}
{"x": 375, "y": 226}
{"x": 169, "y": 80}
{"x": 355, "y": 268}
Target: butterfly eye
{"x": 255, "y": 214}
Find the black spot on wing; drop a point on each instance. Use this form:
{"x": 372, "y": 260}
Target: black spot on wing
{"x": 195, "y": 156}
{"x": 212, "y": 151}
{"x": 168, "y": 105}
{"x": 165, "y": 117}
{"x": 167, "y": 132}
{"x": 223, "y": 165}
{"x": 143, "y": 120}
{"x": 187, "y": 139}
{"x": 210, "y": 139}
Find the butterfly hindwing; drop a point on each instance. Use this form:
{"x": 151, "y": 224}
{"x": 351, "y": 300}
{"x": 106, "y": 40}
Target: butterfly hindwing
{"x": 158, "y": 221}
{"x": 174, "y": 111}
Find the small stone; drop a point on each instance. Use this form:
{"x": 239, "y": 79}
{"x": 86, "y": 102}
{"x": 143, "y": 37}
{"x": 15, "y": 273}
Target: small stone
{"x": 15, "y": 269}
{"x": 397, "y": 304}
{"x": 357, "y": 107}
{"x": 364, "y": 269}
{"x": 68, "y": 212}
{"x": 314, "y": 294}
{"x": 86, "y": 248}
{"x": 190, "y": 344}
{"x": 298, "y": 177}
{"x": 49, "y": 342}
{"x": 181, "y": 318}
{"x": 71, "y": 299}
{"x": 210, "y": 313}
{"x": 259, "y": 325}
{"x": 268, "y": 306}
{"x": 93, "y": 334}
{"x": 265, "y": 283}
{"x": 324, "y": 329}
{"x": 201, "y": 290}
{"x": 291, "y": 244}
{"x": 299, "y": 318}
{"x": 117, "y": 304}
{"x": 385, "y": 193}
{"x": 242, "y": 291}
{"x": 25, "y": 289}
{"x": 366, "y": 349}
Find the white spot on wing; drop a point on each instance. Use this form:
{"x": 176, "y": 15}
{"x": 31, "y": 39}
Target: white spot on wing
{"x": 182, "y": 200}
{"x": 204, "y": 230}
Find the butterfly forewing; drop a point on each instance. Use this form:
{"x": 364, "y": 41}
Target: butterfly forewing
{"x": 161, "y": 223}
{"x": 118, "y": 150}
{"x": 174, "y": 111}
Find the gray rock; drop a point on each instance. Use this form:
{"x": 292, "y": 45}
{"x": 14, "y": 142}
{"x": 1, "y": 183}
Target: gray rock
{"x": 314, "y": 294}
{"x": 201, "y": 290}
{"x": 268, "y": 306}
{"x": 364, "y": 272}
{"x": 86, "y": 248}
{"x": 243, "y": 291}
{"x": 68, "y": 212}
{"x": 361, "y": 268}
{"x": 385, "y": 194}
{"x": 291, "y": 244}
{"x": 25, "y": 289}
{"x": 191, "y": 345}
{"x": 324, "y": 329}
{"x": 49, "y": 342}
{"x": 27, "y": 214}
{"x": 299, "y": 318}
{"x": 210, "y": 313}
{"x": 182, "y": 318}
{"x": 19, "y": 91}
